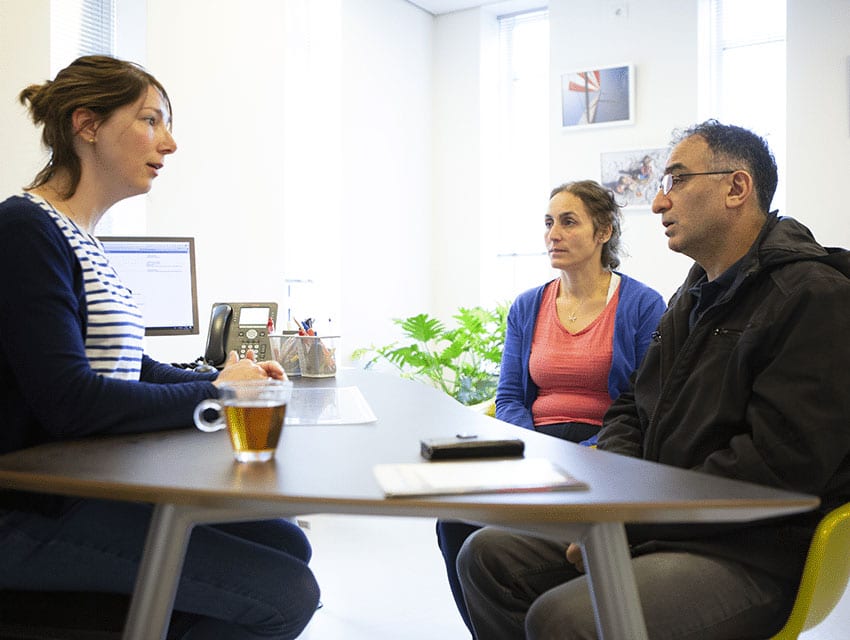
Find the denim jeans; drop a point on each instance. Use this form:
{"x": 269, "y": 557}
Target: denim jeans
{"x": 521, "y": 587}
{"x": 241, "y": 581}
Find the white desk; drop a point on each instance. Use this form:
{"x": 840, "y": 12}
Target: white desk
{"x": 192, "y": 479}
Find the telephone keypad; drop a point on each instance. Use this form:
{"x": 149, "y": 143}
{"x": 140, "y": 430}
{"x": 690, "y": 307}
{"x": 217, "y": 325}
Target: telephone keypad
{"x": 250, "y": 341}
{"x": 259, "y": 349}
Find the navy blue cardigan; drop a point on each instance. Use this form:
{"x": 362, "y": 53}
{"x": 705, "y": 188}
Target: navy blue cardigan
{"x": 48, "y": 391}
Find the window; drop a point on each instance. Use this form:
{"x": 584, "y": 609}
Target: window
{"x": 522, "y": 156}
{"x": 743, "y": 73}
{"x": 78, "y": 28}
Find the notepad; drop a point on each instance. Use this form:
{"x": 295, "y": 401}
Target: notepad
{"x": 479, "y": 476}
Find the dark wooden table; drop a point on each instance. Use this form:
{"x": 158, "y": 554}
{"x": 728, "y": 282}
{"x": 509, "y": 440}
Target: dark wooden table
{"x": 191, "y": 478}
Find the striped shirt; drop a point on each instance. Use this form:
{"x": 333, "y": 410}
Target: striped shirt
{"x": 114, "y": 326}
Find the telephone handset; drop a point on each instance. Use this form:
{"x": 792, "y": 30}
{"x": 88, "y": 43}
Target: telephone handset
{"x": 239, "y": 326}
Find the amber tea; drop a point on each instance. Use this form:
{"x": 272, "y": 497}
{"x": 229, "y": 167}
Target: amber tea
{"x": 254, "y": 430}
{"x": 253, "y": 412}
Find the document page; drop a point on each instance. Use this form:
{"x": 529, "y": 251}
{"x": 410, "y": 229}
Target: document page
{"x": 479, "y": 476}
{"x": 328, "y": 405}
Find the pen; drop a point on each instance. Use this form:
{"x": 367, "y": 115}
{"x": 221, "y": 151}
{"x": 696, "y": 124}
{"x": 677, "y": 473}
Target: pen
{"x": 303, "y": 328}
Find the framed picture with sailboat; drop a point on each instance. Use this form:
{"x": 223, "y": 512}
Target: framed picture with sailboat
{"x": 598, "y": 97}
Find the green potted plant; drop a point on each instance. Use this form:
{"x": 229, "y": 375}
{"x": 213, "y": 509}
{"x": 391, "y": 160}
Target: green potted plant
{"x": 462, "y": 361}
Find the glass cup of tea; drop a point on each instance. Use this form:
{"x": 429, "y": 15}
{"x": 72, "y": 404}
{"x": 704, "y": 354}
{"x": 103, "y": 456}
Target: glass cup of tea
{"x": 253, "y": 412}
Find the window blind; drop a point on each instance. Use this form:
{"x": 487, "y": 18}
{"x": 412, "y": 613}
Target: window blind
{"x": 78, "y": 28}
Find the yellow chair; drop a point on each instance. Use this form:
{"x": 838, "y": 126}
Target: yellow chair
{"x": 825, "y": 574}
{"x": 487, "y": 408}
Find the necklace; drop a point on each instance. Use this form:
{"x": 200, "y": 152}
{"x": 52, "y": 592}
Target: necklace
{"x": 572, "y": 316}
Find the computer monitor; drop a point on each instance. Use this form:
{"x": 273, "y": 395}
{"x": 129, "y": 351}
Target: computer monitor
{"x": 160, "y": 272}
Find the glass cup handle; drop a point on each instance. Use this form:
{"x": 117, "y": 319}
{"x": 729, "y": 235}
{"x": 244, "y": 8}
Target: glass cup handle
{"x": 202, "y": 423}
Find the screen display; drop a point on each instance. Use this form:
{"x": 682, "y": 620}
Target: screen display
{"x": 253, "y": 316}
{"x": 161, "y": 274}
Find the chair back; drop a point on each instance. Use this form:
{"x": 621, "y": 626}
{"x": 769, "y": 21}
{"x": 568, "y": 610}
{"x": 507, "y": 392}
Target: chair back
{"x": 825, "y": 575}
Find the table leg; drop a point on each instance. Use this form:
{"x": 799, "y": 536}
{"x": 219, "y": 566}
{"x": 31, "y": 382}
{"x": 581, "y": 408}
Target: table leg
{"x": 162, "y": 562}
{"x": 159, "y": 573}
{"x": 612, "y": 582}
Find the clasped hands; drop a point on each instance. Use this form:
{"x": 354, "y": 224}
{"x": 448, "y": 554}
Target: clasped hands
{"x": 248, "y": 368}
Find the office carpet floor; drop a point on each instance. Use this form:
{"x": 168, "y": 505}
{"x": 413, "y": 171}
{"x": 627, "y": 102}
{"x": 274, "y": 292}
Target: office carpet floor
{"x": 383, "y": 579}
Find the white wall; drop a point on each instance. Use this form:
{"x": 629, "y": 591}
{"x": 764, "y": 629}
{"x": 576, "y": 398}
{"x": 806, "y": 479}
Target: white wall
{"x": 24, "y": 60}
{"x": 304, "y": 134}
{"x": 662, "y": 46}
{"x": 224, "y": 185}
{"x": 386, "y": 172}
{"x": 819, "y": 117}
{"x": 457, "y": 212}
{"x": 362, "y": 164}
{"x": 304, "y": 151}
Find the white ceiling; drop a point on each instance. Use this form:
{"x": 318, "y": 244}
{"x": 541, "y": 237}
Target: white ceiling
{"x": 437, "y": 7}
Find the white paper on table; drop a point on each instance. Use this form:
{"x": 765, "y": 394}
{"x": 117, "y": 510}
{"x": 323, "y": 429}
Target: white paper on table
{"x": 328, "y": 405}
{"x": 479, "y": 476}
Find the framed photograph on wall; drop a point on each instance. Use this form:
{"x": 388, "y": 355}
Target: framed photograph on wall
{"x": 598, "y": 97}
{"x": 633, "y": 176}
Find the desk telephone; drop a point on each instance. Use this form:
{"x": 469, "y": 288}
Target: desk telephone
{"x": 239, "y": 326}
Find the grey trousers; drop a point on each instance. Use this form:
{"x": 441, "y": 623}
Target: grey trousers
{"x": 523, "y": 587}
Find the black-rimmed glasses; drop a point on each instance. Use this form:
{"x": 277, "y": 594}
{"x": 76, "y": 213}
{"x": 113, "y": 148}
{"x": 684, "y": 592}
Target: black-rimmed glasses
{"x": 669, "y": 180}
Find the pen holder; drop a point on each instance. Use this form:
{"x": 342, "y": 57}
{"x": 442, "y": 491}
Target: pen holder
{"x": 285, "y": 351}
{"x": 317, "y": 356}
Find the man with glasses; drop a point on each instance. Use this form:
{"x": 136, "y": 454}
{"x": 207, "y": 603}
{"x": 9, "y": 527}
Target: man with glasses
{"x": 747, "y": 377}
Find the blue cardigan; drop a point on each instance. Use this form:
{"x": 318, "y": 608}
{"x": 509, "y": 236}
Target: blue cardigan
{"x": 638, "y": 312}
